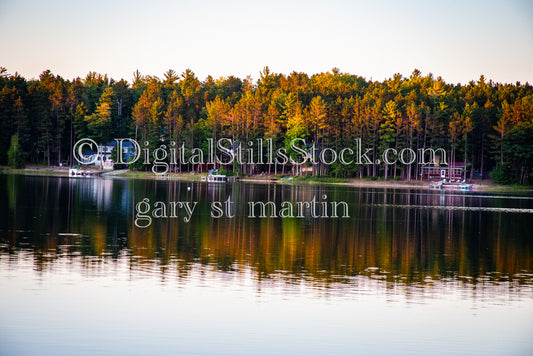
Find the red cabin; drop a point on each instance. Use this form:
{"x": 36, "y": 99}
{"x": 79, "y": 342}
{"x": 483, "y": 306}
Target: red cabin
{"x": 454, "y": 170}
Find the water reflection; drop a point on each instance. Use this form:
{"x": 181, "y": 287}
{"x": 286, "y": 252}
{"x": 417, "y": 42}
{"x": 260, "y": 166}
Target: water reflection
{"x": 394, "y": 239}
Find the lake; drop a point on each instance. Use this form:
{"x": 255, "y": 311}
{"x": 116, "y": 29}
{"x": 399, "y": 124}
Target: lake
{"x": 409, "y": 272}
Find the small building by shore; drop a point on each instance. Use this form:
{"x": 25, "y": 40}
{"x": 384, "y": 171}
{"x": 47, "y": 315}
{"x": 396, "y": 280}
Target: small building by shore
{"x": 454, "y": 170}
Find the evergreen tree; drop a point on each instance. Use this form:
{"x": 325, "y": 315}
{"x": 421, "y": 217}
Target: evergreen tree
{"x": 15, "y": 156}
{"x": 100, "y": 122}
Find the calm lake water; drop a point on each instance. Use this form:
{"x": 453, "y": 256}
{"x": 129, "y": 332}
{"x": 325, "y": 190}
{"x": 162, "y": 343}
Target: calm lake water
{"x": 410, "y": 272}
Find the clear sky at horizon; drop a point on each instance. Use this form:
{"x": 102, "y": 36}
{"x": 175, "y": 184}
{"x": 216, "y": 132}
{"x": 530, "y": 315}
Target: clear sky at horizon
{"x": 458, "y": 40}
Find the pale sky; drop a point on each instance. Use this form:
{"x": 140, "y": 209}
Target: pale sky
{"x": 458, "y": 40}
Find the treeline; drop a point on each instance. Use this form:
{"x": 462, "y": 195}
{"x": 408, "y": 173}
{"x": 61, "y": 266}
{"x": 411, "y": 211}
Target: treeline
{"x": 485, "y": 124}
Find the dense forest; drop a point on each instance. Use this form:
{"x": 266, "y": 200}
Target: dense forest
{"x": 485, "y": 124}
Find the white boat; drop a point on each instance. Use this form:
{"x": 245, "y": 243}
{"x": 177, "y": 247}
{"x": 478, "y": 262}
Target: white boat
{"x": 443, "y": 184}
{"x": 75, "y": 172}
{"x": 215, "y": 178}
{"x": 436, "y": 185}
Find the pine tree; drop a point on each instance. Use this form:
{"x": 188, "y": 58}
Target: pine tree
{"x": 80, "y": 125}
{"x": 15, "y": 156}
{"x": 100, "y": 122}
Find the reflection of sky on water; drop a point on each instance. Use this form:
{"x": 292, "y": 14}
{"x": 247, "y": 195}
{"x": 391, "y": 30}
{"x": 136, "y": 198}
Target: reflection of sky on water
{"x": 491, "y": 288}
{"x": 107, "y": 306}
{"x": 396, "y": 278}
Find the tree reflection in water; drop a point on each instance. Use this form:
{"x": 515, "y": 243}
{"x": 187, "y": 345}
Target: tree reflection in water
{"x": 391, "y": 240}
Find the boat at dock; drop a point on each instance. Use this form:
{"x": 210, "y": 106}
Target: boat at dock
{"x": 444, "y": 184}
{"x": 78, "y": 173}
{"x": 214, "y": 178}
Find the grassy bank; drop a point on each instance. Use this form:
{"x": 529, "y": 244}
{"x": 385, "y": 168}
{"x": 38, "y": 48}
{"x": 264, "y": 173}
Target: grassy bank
{"x": 35, "y": 171}
{"x": 479, "y": 186}
{"x": 188, "y": 177}
{"x": 483, "y": 186}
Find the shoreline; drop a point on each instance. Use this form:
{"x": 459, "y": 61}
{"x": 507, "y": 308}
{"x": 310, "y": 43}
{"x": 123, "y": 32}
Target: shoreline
{"x": 477, "y": 186}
